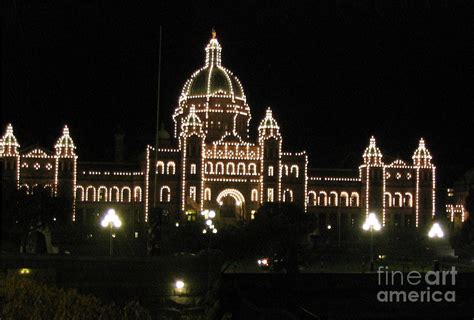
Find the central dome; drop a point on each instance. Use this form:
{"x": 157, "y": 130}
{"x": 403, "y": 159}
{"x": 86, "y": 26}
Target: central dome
{"x": 213, "y": 80}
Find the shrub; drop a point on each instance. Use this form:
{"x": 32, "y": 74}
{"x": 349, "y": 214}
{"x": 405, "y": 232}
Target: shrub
{"x": 27, "y": 299}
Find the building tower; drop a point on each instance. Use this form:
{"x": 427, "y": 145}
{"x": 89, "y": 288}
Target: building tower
{"x": 10, "y": 157}
{"x": 425, "y": 184}
{"x": 65, "y": 170}
{"x": 192, "y": 149}
{"x": 372, "y": 176}
{"x": 270, "y": 142}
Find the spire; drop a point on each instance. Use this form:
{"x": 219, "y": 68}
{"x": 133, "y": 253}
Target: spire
{"x": 422, "y": 156}
{"x": 213, "y": 50}
{"x": 372, "y": 154}
{"x": 9, "y": 143}
{"x": 65, "y": 146}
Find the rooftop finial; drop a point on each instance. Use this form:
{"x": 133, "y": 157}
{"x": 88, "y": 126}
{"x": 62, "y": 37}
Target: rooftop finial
{"x": 213, "y": 33}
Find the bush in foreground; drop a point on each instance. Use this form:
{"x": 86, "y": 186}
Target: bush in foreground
{"x": 27, "y": 299}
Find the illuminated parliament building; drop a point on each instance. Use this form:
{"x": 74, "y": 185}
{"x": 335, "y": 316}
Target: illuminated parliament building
{"x": 210, "y": 162}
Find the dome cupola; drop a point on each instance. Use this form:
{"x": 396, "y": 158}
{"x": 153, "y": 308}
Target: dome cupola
{"x": 268, "y": 126}
{"x": 9, "y": 143}
{"x": 192, "y": 123}
{"x": 422, "y": 156}
{"x": 372, "y": 154}
{"x": 65, "y": 146}
{"x": 217, "y": 96}
{"x": 213, "y": 80}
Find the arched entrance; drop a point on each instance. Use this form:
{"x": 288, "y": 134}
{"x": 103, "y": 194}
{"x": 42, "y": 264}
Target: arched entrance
{"x": 231, "y": 203}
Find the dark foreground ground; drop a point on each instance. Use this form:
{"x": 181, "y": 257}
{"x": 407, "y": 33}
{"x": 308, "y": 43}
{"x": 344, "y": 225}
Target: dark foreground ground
{"x": 244, "y": 295}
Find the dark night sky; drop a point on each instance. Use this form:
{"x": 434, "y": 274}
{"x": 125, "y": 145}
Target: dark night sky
{"x": 334, "y": 74}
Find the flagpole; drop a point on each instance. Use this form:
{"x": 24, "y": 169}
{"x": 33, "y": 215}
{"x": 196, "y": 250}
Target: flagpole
{"x": 157, "y": 124}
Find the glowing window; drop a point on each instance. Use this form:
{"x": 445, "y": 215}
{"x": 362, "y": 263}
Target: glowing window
{"x": 270, "y": 197}
{"x": 165, "y": 194}
{"x": 207, "y": 194}
{"x": 254, "y": 195}
{"x": 270, "y": 171}
{"x": 295, "y": 170}
{"x": 171, "y": 168}
{"x": 160, "y": 167}
{"x": 192, "y": 193}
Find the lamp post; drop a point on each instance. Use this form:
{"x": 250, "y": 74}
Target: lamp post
{"x": 209, "y": 228}
{"x": 371, "y": 224}
{"x": 111, "y": 220}
{"x": 437, "y": 233}
{"x": 179, "y": 287}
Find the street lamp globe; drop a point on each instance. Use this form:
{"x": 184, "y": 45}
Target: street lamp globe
{"x": 436, "y": 231}
{"x": 212, "y": 214}
{"x": 111, "y": 219}
{"x": 179, "y": 284}
{"x": 371, "y": 223}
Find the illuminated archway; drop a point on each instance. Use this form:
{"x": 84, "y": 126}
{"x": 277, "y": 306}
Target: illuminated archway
{"x": 231, "y": 203}
{"x": 234, "y": 193}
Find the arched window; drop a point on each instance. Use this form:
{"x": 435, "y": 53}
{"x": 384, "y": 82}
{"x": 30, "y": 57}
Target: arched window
{"x": 165, "y": 194}
{"x": 90, "y": 193}
{"x": 288, "y": 195}
{"x": 25, "y": 188}
{"x": 193, "y": 168}
{"x": 137, "y": 194}
{"x": 160, "y": 167}
{"x": 354, "y": 199}
{"x": 408, "y": 200}
{"x": 322, "y": 199}
{"x": 344, "y": 199}
{"x": 207, "y": 194}
{"x": 209, "y": 168}
{"x": 126, "y": 194}
{"x": 295, "y": 170}
{"x": 285, "y": 170}
{"x": 397, "y": 199}
{"x": 270, "y": 171}
{"x": 270, "y": 197}
{"x": 312, "y": 198}
{"x": 253, "y": 169}
{"x": 171, "y": 168}
{"x": 114, "y": 194}
{"x": 230, "y": 168}
{"x": 219, "y": 168}
{"x": 35, "y": 189}
{"x": 80, "y": 193}
{"x": 333, "y": 198}
{"x": 48, "y": 189}
{"x": 102, "y": 193}
{"x": 241, "y": 168}
{"x": 388, "y": 199}
{"x": 254, "y": 195}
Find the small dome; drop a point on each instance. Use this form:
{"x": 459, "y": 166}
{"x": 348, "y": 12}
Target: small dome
{"x": 213, "y": 79}
{"x": 269, "y": 126}
{"x": 372, "y": 154}
{"x": 422, "y": 156}
{"x": 9, "y": 143}
{"x": 65, "y": 146}
{"x": 163, "y": 134}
